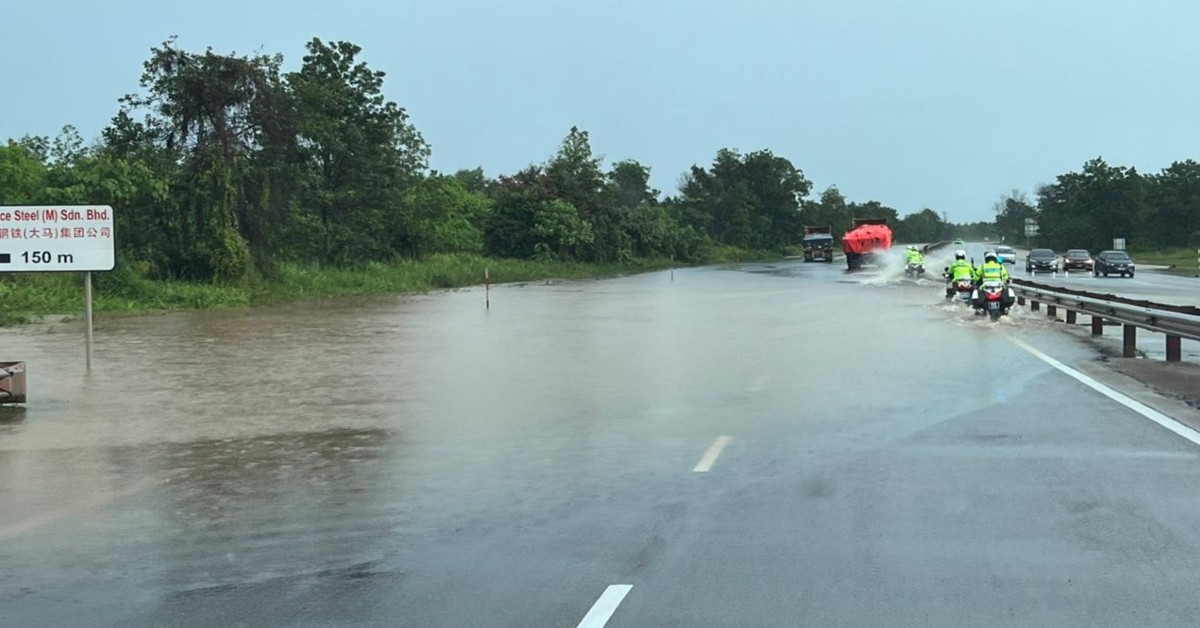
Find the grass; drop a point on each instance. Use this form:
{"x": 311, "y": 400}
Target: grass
{"x": 28, "y": 296}
{"x": 1183, "y": 261}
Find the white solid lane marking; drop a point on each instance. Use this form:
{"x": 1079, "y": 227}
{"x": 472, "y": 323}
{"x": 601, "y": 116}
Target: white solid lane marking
{"x": 604, "y": 607}
{"x": 710, "y": 456}
{"x": 1136, "y": 406}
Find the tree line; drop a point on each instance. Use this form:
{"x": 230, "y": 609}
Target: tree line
{"x": 225, "y": 166}
{"x": 1101, "y": 202}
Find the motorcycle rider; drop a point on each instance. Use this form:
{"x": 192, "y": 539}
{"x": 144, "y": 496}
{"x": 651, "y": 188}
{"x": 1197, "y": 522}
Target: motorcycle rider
{"x": 992, "y": 270}
{"x": 913, "y": 255}
{"x": 960, "y": 268}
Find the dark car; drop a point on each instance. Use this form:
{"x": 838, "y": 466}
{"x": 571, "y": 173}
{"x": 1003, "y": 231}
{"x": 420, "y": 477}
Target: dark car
{"x": 1114, "y": 262}
{"x": 1077, "y": 259}
{"x": 1041, "y": 260}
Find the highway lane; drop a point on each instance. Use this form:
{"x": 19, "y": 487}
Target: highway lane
{"x": 763, "y": 445}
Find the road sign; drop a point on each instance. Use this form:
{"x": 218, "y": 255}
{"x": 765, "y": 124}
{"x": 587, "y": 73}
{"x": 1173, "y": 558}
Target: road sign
{"x": 1119, "y": 244}
{"x": 49, "y": 238}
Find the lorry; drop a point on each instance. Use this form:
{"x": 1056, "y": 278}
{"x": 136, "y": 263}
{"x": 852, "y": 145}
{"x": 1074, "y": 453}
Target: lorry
{"x": 818, "y": 243}
{"x": 863, "y": 243}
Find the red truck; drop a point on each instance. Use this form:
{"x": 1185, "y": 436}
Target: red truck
{"x": 868, "y": 238}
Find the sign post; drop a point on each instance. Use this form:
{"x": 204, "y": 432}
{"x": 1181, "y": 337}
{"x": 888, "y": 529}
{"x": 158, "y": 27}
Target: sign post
{"x": 59, "y": 238}
{"x": 1031, "y": 229}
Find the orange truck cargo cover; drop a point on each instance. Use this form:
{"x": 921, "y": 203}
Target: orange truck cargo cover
{"x": 869, "y": 234}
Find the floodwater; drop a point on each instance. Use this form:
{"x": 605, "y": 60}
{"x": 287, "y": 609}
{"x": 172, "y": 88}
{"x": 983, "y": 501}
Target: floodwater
{"x": 219, "y": 468}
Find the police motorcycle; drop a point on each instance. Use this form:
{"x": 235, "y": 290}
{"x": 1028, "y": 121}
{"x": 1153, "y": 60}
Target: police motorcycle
{"x": 912, "y": 268}
{"x": 962, "y": 288}
{"x": 993, "y": 298}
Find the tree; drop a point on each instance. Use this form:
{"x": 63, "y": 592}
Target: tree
{"x": 1172, "y": 212}
{"x": 1088, "y": 209}
{"x": 360, "y": 153}
{"x": 830, "y": 210}
{"x": 449, "y": 217}
{"x": 751, "y": 201}
{"x": 22, "y": 175}
{"x": 1011, "y": 212}
{"x": 207, "y": 111}
{"x": 923, "y": 226}
{"x": 632, "y": 181}
{"x": 575, "y": 176}
{"x": 474, "y": 180}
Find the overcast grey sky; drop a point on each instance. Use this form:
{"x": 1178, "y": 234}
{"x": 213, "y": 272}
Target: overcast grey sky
{"x": 946, "y": 103}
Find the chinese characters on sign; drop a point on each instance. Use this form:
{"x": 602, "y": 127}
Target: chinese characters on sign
{"x": 56, "y": 238}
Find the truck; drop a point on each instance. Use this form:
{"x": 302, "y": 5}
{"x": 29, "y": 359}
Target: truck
{"x": 865, "y": 241}
{"x": 818, "y": 243}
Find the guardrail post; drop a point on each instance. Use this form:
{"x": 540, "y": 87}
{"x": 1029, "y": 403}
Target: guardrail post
{"x": 1034, "y": 305}
{"x": 1130, "y": 348}
{"x": 1097, "y": 325}
{"x": 1020, "y": 300}
{"x": 1174, "y": 348}
{"x": 1071, "y": 317}
{"x": 1052, "y": 310}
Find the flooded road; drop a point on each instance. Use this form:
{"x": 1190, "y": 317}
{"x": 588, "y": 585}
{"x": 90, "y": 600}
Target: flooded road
{"x": 730, "y": 442}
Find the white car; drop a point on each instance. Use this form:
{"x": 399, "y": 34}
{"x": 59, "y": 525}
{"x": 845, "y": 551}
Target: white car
{"x": 1007, "y": 254}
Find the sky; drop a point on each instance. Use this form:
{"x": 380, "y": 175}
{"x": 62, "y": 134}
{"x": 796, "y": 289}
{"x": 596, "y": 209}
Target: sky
{"x": 947, "y": 104}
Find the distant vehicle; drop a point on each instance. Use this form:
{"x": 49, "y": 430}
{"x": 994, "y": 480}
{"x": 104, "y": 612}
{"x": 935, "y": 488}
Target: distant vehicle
{"x": 959, "y": 242}
{"x": 1007, "y": 254}
{"x": 1115, "y": 262}
{"x": 1041, "y": 260}
{"x": 818, "y": 243}
{"x": 1077, "y": 259}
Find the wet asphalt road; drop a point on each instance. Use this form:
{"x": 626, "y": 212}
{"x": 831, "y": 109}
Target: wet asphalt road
{"x": 888, "y": 460}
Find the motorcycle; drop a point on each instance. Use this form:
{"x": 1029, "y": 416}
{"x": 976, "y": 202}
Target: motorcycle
{"x": 914, "y": 270}
{"x": 962, "y": 288}
{"x": 992, "y": 298}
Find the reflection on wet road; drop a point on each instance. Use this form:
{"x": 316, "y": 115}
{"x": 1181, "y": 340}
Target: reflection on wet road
{"x": 769, "y": 444}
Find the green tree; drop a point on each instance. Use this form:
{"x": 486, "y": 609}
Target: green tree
{"x": 361, "y": 154}
{"x": 575, "y": 176}
{"x": 22, "y": 175}
{"x": 1011, "y": 212}
{"x": 632, "y": 181}
{"x": 751, "y": 201}
{"x": 924, "y": 226}
{"x": 1172, "y": 211}
{"x": 449, "y": 217}
{"x": 1088, "y": 209}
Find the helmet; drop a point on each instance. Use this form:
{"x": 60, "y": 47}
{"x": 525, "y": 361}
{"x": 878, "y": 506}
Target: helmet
{"x": 912, "y": 247}
{"x": 960, "y": 254}
{"x": 989, "y": 257}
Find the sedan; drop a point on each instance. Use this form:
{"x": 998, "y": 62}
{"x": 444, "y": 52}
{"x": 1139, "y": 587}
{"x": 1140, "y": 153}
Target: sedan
{"x": 1115, "y": 262}
{"x": 1077, "y": 259}
{"x": 1041, "y": 260}
{"x": 1007, "y": 254}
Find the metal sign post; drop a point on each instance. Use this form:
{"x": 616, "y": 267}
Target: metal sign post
{"x": 59, "y": 238}
{"x": 87, "y": 315}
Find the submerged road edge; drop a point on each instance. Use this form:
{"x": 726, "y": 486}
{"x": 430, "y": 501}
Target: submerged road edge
{"x": 1137, "y": 406}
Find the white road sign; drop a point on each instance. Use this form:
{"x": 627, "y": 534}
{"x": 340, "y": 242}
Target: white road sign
{"x": 56, "y": 238}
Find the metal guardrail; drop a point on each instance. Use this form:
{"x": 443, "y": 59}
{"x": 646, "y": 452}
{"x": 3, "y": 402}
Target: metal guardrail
{"x": 1175, "y": 321}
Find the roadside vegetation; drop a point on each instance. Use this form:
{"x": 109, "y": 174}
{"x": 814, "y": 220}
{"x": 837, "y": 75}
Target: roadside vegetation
{"x": 237, "y": 180}
{"x": 1181, "y": 261}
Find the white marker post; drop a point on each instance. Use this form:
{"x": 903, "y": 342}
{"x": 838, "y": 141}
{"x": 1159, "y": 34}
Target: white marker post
{"x": 59, "y": 238}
